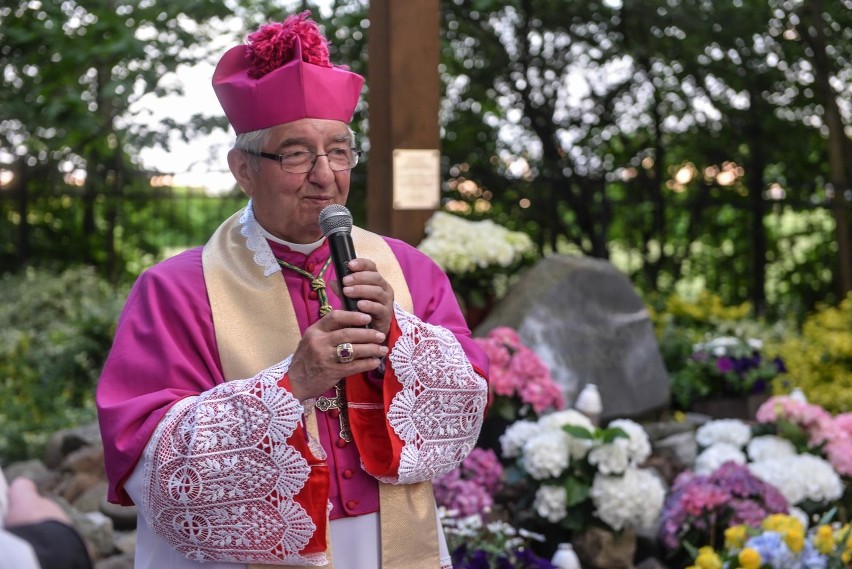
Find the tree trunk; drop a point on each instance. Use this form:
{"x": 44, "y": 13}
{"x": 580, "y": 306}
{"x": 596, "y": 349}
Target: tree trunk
{"x": 839, "y": 154}
{"x": 20, "y": 183}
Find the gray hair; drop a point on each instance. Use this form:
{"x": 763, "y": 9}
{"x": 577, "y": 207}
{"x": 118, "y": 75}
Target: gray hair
{"x": 256, "y": 140}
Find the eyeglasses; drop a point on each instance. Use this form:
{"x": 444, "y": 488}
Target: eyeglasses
{"x": 302, "y": 161}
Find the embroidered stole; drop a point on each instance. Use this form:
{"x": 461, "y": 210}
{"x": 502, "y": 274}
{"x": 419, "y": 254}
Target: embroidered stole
{"x": 256, "y": 327}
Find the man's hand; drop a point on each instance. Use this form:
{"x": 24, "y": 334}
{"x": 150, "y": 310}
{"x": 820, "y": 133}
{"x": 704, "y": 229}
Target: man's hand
{"x": 374, "y": 293}
{"x": 27, "y": 506}
{"x": 316, "y": 368}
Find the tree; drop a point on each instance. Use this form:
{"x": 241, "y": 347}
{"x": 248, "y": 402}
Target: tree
{"x": 72, "y": 73}
{"x": 652, "y": 129}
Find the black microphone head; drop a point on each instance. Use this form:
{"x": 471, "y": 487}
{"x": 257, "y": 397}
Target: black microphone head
{"x": 334, "y": 218}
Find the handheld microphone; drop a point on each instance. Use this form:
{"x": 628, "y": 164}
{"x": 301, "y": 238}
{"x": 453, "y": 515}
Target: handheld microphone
{"x": 335, "y": 221}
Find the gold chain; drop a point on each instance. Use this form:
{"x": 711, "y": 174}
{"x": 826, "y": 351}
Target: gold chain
{"x": 317, "y": 283}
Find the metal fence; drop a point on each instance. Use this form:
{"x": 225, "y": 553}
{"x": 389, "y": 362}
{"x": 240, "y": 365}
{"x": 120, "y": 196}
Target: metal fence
{"x": 116, "y": 233}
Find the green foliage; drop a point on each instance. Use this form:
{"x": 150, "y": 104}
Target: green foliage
{"x": 819, "y": 360}
{"x": 55, "y": 333}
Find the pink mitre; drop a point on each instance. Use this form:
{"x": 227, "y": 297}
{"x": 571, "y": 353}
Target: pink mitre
{"x": 283, "y": 74}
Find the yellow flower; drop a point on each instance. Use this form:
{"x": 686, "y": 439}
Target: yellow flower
{"x": 708, "y": 559}
{"x": 824, "y": 539}
{"x": 735, "y": 536}
{"x": 795, "y": 540}
{"x": 749, "y": 558}
{"x": 782, "y": 523}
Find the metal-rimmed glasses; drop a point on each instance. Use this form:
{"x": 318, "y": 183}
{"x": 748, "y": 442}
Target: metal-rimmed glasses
{"x": 303, "y": 161}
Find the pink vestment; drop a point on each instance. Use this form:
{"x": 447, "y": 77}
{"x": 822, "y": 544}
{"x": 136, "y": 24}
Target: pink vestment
{"x": 165, "y": 351}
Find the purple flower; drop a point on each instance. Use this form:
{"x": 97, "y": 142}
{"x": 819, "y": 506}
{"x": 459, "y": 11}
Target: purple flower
{"x": 724, "y": 364}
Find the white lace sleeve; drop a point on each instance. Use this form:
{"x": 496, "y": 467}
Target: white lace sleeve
{"x": 220, "y": 477}
{"x": 438, "y": 413}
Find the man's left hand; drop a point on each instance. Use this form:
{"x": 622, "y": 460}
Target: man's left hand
{"x": 374, "y": 293}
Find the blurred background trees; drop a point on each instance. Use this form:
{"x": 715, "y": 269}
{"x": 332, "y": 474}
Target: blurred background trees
{"x": 697, "y": 144}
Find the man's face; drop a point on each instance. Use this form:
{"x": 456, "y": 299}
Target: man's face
{"x": 288, "y": 205}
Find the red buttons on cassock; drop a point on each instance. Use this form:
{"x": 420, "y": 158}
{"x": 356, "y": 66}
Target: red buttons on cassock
{"x": 313, "y": 295}
{"x": 347, "y": 474}
{"x": 340, "y": 443}
{"x": 351, "y": 504}
{"x": 310, "y": 267}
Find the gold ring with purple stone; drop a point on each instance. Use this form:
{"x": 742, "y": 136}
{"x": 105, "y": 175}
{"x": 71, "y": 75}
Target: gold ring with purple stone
{"x": 345, "y": 353}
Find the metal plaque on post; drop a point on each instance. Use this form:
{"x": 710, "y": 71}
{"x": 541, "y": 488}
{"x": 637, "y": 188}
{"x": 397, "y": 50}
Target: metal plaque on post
{"x": 416, "y": 179}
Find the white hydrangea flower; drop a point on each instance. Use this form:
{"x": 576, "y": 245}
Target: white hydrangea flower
{"x": 632, "y": 500}
{"x": 461, "y": 246}
{"x": 611, "y": 458}
{"x": 514, "y": 438}
{"x": 716, "y": 455}
{"x": 550, "y": 503}
{"x": 800, "y": 477}
{"x": 555, "y": 421}
{"x": 765, "y": 447}
{"x": 731, "y": 431}
{"x": 546, "y": 454}
{"x": 639, "y": 447}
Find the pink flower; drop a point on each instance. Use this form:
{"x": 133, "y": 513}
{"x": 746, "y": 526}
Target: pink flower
{"x": 506, "y": 335}
{"x": 542, "y": 396}
{"x": 813, "y": 419}
{"x": 502, "y": 382}
{"x": 844, "y": 422}
{"x": 518, "y": 374}
{"x": 839, "y": 454}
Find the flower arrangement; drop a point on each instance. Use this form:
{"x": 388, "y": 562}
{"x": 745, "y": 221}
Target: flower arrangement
{"x": 701, "y": 507}
{"x": 521, "y": 384}
{"x": 475, "y": 543}
{"x": 782, "y": 542}
{"x": 724, "y": 366}
{"x": 476, "y": 537}
{"x": 805, "y": 480}
{"x": 478, "y": 256}
{"x": 575, "y": 475}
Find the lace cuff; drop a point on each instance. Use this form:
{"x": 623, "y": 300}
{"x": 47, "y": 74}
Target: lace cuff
{"x": 221, "y": 477}
{"x": 439, "y": 409}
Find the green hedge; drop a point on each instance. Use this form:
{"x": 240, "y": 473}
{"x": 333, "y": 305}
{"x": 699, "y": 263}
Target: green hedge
{"x": 55, "y": 333}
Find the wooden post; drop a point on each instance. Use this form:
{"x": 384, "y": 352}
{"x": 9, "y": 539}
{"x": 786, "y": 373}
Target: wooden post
{"x": 404, "y": 95}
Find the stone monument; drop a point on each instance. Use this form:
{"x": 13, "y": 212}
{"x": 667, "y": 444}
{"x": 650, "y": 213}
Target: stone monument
{"x": 583, "y": 317}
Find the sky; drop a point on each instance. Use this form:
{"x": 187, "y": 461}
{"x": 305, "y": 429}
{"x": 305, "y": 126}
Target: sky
{"x": 203, "y": 162}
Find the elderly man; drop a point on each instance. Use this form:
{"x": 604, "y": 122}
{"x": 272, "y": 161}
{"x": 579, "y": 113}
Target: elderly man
{"x": 249, "y": 417}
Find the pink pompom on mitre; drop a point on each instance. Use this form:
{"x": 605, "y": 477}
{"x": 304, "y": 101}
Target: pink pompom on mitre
{"x": 273, "y": 45}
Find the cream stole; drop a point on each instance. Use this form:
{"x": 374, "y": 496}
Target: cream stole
{"x": 256, "y": 327}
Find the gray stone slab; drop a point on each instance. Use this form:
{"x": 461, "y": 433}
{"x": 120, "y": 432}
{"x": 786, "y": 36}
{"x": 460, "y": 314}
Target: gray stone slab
{"x": 583, "y": 317}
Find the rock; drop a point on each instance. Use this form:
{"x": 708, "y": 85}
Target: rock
{"x": 64, "y": 442}
{"x": 74, "y": 485}
{"x": 123, "y": 561}
{"x": 98, "y": 531}
{"x": 126, "y": 542}
{"x": 88, "y": 459}
{"x": 34, "y": 469}
{"x": 586, "y": 322}
{"x": 123, "y": 517}
{"x": 90, "y": 500}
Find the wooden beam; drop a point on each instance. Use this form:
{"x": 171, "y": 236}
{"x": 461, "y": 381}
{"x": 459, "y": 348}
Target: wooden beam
{"x": 404, "y": 96}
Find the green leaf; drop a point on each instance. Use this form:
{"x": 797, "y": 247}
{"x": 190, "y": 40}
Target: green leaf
{"x": 578, "y": 432}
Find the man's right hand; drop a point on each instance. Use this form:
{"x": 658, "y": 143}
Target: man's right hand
{"x": 316, "y": 368}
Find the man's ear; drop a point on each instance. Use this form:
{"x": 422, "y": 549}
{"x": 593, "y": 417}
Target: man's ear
{"x": 238, "y": 162}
